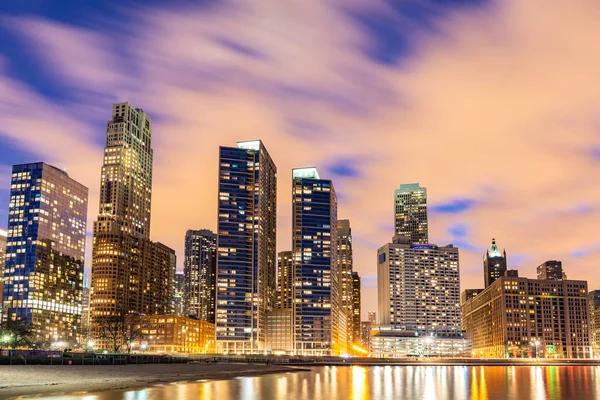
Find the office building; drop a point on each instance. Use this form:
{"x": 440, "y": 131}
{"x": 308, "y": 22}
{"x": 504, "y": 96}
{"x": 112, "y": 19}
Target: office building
{"x": 317, "y": 320}
{"x": 521, "y": 317}
{"x": 365, "y": 327}
{"x": 178, "y": 294}
{"x": 389, "y": 342}
{"x": 594, "y": 316}
{"x": 285, "y": 276}
{"x": 551, "y": 270}
{"x": 200, "y": 269}
{"x": 356, "y": 311}
{"x": 411, "y": 213}
{"x": 419, "y": 288}
{"x": 345, "y": 269}
{"x": 280, "y": 331}
{"x": 174, "y": 334}
{"x": 494, "y": 264}
{"x": 246, "y": 250}
{"x": 130, "y": 273}
{"x": 43, "y": 273}
{"x": 372, "y": 316}
{"x": 3, "y": 235}
{"x": 85, "y": 310}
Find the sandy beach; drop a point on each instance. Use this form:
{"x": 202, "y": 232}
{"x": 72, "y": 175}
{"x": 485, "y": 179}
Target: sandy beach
{"x": 19, "y": 380}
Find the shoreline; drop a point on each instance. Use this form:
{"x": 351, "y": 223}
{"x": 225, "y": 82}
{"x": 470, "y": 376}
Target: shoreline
{"x": 80, "y": 379}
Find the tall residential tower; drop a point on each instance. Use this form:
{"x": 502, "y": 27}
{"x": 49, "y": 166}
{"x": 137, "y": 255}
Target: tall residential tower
{"x": 45, "y": 252}
{"x": 200, "y": 268}
{"x": 410, "y": 203}
{"x": 246, "y": 252}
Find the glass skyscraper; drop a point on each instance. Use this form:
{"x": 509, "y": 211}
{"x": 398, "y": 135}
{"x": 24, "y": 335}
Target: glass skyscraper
{"x": 45, "y": 252}
{"x": 316, "y": 310}
{"x": 130, "y": 273}
{"x": 410, "y": 203}
{"x": 246, "y": 252}
{"x": 345, "y": 267}
{"x": 200, "y": 274}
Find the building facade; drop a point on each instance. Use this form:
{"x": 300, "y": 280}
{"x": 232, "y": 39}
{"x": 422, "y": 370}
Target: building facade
{"x": 411, "y": 213}
{"x": 390, "y": 342}
{"x": 372, "y": 317}
{"x": 200, "y": 270}
{"x": 178, "y": 295}
{"x": 419, "y": 288}
{"x": 280, "y": 331}
{"x": 175, "y": 334}
{"x": 551, "y": 270}
{"x": 345, "y": 269}
{"x": 356, "y": 310}
{"x": 3, "y": 235}
{"x": 317, "y": 325}
{"x": 285, "y": 279}
{"x": 521, "y": 317}
{"x": 130, "y": 273}
{"x": 246, "y": 252}
{"x": 494, "y": 264}
{"x": 594, "y": 315}
{"x": 45, "y": 251}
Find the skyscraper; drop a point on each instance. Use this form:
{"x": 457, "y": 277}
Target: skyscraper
{"x": 411, "y": 212}
{"x": 372, "y": 317}
{"x": 316, "y": 308}
{"x": 3, "y": 234}
{"x": 179, "y": 295}
{"x": 200, "y": 268}
{"x": 130, "y": 273}
{"x": 246, "y": 252}
{"x": 285, "y": 279}
{"x": 551, "y": 270}
{"x": 419, "y": 288}
{"x": 594, "y": 317}
{"x": 345, "y": 267}
{"x": 356, "y": 310}
{"x": 494, "y": 264}
{"x": 45, "y": 252}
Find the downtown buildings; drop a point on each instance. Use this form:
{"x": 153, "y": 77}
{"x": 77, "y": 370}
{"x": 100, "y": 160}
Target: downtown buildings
{"x": 130, "y": 273}
{"x": 43, "y": 273}
{"x": 199, "y": 269}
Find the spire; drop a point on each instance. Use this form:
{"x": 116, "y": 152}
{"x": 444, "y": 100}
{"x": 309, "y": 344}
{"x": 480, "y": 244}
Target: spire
{"x": 493, "y": 251}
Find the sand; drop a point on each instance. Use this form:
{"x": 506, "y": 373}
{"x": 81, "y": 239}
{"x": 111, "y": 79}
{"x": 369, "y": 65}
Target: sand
{"x": 19, "y": 380}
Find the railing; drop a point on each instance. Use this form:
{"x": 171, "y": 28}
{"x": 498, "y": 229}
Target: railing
{"x": 39, "y": 357}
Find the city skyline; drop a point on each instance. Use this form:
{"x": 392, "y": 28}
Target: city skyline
{"x": 366, "y": 149}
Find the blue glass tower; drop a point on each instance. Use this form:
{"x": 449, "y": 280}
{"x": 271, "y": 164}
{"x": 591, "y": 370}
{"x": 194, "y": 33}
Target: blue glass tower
{"x": 316, "y": 275}
{"x": 45, "y": 252}
{"x": 246, "y": 253}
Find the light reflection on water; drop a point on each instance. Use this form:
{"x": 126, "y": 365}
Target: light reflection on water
{"x": 387, "y": 382}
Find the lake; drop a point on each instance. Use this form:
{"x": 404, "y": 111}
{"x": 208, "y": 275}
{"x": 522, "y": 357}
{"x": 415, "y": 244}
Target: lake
{"x": 386, "y": 382}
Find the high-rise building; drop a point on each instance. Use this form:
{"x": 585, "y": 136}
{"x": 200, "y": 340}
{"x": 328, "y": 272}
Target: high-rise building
{"x": 179, "y": 294}
{"x": 345, "y": 268}
{"x": 43, "y": 274}
{"x": 85, "y": 311}
{"x": 130, "y": 273}
{"x": 356, "y": 310}
{"x": 372, "y": 317}
{"x": 419, "y": 288}
{"x": 3, "y": 235}
{"x": 246, "y": 252}
{"x": 551, "y": 270}
{"x": 318, "y": 328}
{"x": 411, "y": 212}
{"x": 594, "y": 316}
{"x": 285, "y": 276}
{"x": 521, "y": 317}
{"x": 365, "y": 327}
{"x": 494, "y": 264}
{"x": 200, "y": 269}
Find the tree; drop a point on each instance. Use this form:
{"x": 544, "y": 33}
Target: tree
{"x": 16, "y": 333}
{"x": 120, "y": 331}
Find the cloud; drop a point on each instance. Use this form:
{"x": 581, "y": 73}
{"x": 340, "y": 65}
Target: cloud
{"x": 494, "y": 105}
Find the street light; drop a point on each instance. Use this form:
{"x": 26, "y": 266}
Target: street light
{"x": 90, "y": 344}
{"x": 537, "y": 343}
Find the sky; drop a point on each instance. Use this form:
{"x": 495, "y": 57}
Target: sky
{"x": 494, "y": 106}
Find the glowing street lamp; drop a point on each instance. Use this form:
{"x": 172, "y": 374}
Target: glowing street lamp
{"x": 537, "y": 343}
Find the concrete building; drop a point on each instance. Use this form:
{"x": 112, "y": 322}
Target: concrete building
{"x": 372, "y": 317}
{"x": 174, "y": 334}
{"x": 419, "y": 288}
{"x": 345, "y": 269}
{"x": 411, "y": 213}
{"x": 45, "y": 252}
{"x": 494, "y": 264}
{"x": 200, "y": 272}
{"x": 285, "y": 279}
{"x": 318, "y": 323}
{"x": 521, "y": 317}
{"x": 365, "y": 327}
{"x": 178, "y": 294}
{"x": 130, "y": 273}
{"x": 390, "y": 342}
{"x": 551, "y": 270}
{"x": 280, "y": 331}
{"x": 594, "y": 316}
{"x": 246, "y": 248}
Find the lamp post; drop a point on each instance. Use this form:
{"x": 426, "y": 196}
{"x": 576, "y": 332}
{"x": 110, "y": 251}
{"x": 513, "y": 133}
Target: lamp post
{"x": 537, "y": 343}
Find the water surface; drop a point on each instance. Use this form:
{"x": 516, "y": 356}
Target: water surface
{"x": 387, "y": 382}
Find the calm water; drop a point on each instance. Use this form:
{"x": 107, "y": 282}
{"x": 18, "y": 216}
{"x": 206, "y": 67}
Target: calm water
{"x": 422, "y": 382}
